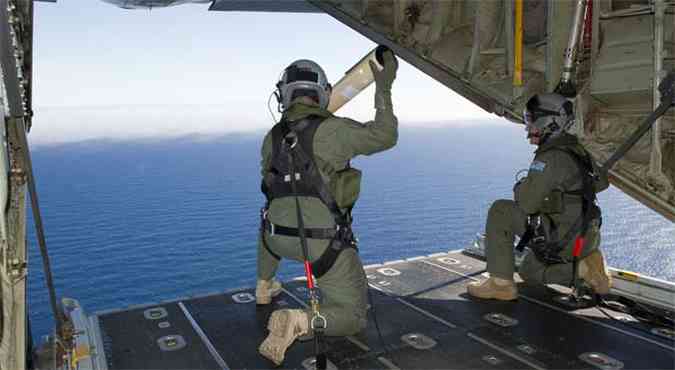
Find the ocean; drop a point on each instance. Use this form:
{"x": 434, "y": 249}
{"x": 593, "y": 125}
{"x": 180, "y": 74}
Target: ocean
{"x": 132, "y": 222}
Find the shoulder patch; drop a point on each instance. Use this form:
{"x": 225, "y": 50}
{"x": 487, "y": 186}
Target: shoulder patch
{"x": 538, "y": 166}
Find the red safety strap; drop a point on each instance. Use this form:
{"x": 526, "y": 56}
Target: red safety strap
{"x": 308, "y": 274}
{"x": 578, "y": 246}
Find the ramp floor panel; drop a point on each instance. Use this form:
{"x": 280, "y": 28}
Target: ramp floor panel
{"x": 557, "y": 333}
{"x": 425, "y": 320}
{"x": 406, "y": 278}
{"x": 237, "y": 330}
{"x": 400, "y": 323}
{"x": 130, "y": 341}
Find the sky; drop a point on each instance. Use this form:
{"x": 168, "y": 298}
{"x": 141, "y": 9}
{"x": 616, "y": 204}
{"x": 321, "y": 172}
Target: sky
{"x": 105, "y": 72}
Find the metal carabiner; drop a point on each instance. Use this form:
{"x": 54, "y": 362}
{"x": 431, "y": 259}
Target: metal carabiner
{"x": 318, "y": 318}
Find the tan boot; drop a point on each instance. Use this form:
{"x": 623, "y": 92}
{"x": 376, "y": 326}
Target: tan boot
{"x": 593, "y": 271}
{"x": 285, "y": 326}
{"x": 494, "y": 288}
{"x": 265, "y": 290}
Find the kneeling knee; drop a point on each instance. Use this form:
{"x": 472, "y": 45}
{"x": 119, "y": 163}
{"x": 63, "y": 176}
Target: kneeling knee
{"x": 500, "y": 207}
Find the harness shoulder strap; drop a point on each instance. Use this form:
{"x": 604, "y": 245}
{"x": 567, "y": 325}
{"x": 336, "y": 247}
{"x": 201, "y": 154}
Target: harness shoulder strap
{"x": 306, "y": 153}
{"x": 279, "y": 131}
{"x": 585, "y": 170}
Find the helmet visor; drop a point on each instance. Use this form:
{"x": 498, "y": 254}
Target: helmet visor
{"x": 531, "y": 116}
{"x": 294, "y": 74}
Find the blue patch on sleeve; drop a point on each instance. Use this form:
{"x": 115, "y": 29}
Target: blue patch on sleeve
{"x": 538, "y": 166}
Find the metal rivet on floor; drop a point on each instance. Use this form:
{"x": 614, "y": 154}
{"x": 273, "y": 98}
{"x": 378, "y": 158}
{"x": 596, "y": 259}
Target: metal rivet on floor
{"x": 492, "y": 360}
{"x": 383, "y": 283}
{"x": 667, "y": 333}
{"x": 164, "y": 325}
{"x": 155, "y": 313}
{"x": 500, "y": 319}
{"x": 310, "y": 364}
{"x": 448, "y": 261}
{"x": 418, "y": 341}
{"x": 568, "y": 301}
{"x": 527, "y": 349}
{"x": 243, "y": 297}
{"x": 170, "y": 343}
{"x": 601, "y": 361}
{"x": 388, "y": 271}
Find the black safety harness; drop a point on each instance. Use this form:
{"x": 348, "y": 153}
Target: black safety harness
{"x": 293, "y": 147}
{"x": 547, "y": 246}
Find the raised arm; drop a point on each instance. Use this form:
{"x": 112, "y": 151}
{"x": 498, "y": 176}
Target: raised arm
{"x": 381, "y": 133}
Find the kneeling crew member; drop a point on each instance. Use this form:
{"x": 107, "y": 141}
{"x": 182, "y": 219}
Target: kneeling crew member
{"x": 554, "y": 206}
{"x": 327, "y": 188}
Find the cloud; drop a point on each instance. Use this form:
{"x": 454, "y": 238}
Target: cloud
{"x": 52, "y": 125}
{"x": 68, "y": 124}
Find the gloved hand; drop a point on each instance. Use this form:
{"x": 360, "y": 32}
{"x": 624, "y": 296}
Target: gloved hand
{"x": 385, "y": 78}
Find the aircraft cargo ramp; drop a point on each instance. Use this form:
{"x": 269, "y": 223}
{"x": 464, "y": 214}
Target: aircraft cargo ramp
{"x": 426, "y": 319}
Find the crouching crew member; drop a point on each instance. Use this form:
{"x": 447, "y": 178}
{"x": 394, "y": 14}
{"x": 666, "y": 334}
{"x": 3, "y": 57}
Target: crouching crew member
{"x": 554, "y": 211}
{"x": 307, "y": 155}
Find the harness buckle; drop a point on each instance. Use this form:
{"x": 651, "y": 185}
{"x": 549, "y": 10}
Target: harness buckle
{"x": 538, "y": 239}
{"x": 263, "y": 215}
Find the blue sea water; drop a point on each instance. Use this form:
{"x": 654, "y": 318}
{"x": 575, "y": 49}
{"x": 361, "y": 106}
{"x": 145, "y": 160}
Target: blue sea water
{"x": 140, "y": 221}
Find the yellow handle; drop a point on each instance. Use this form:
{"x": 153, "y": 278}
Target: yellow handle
{"x": 518, "y": 47}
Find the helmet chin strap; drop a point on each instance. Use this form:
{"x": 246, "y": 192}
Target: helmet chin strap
{"x": 542, "y": 138}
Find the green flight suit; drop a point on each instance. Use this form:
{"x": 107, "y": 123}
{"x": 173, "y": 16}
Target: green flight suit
{"x": 551, "y": 169}
{"x": 336, "y": 141}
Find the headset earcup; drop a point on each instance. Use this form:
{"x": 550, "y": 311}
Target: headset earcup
{"x": 277, "y": 93}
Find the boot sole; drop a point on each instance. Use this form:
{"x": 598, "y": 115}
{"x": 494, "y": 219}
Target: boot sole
{"x": 498, "y": 296}
{"x": 267, "y": 299}
{"x": 601, "y": 284}
{"x": 275, "y": 345}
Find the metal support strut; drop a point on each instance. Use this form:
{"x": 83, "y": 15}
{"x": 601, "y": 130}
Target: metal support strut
{"x": 667, "y": 90}
{"x": 39, "y": 230}
{"x": 566, "y": 85}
